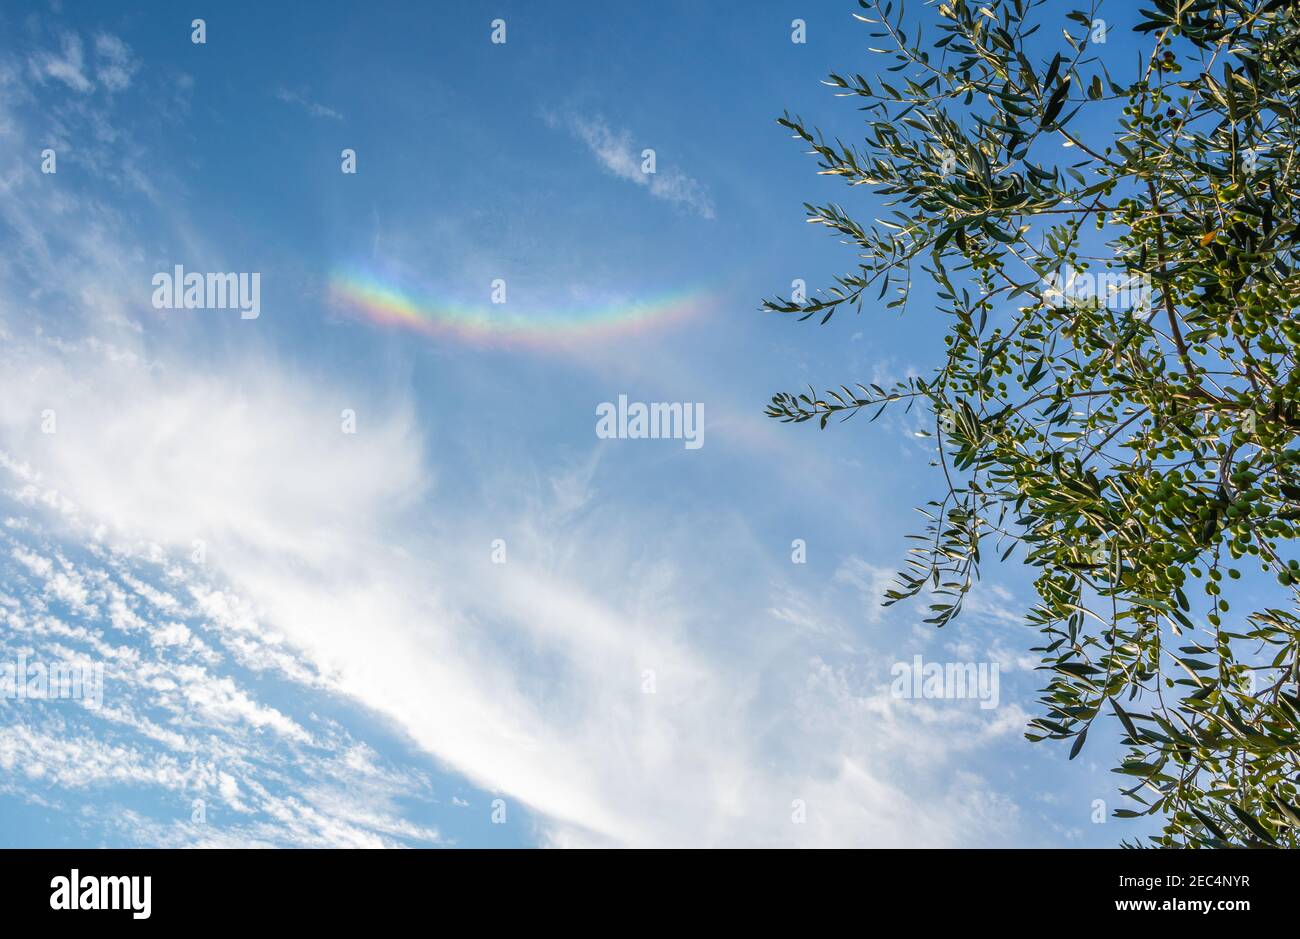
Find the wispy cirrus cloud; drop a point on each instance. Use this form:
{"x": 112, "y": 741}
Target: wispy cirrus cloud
{"x": 302, "y": 99}
{"x": 528, "y": 677}
{"x": 615, "y": 150}
{"x": 113, "y": 65}
{"x": 176, "y": 720}
{"x": 68, "y": 65}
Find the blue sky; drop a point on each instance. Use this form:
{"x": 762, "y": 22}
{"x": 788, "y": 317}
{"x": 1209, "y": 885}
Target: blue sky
{"x": 347, "y": 664}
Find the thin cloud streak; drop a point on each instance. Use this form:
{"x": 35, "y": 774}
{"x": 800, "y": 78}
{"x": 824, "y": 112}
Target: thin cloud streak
{"x": 615, "y": 151}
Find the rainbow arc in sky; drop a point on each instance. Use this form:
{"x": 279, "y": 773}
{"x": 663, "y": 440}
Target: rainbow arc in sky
{"x": 384, "y": 303}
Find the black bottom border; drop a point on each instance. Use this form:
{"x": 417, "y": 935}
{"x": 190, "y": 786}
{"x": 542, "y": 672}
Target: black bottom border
{"x": 333, "y": 887}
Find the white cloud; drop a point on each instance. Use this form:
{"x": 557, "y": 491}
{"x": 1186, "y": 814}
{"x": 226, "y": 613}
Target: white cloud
{"x": 616, "y": 152}
{"x": 68, "y": 65}
{"x": 175, "y": 728}
{"x": 526, "y": 677}
{"x": 303, "y": 100}
{"x": 115, "y": 65}
{"x": 871, "y": 581}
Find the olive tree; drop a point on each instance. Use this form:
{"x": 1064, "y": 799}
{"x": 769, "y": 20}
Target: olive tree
{"x": 1115, "y": 258}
